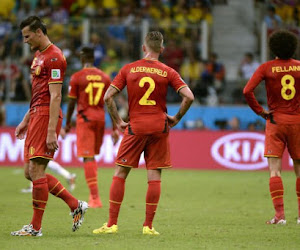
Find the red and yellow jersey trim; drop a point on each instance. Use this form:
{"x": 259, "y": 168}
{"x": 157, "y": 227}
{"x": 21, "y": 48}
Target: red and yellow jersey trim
{"x": 46, "y": 48}
{"x": 165, "y": 167}
{"x": 55, "y": 82}
{"x": 273, "y": 156}
{"x": 72, "y": 97}
{"x": 86, "y": 156}
{"x": 48, "y": 158}
{"x": 115, "y": 87}
{"x": 122, "y": 165}
{"x": 181, "y": 88}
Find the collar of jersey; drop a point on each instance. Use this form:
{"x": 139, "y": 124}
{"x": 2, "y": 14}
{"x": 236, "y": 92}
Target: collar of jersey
{"x": 43, "y": 50}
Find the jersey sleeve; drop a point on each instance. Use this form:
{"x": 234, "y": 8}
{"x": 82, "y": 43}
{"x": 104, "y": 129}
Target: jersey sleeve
{"x": 56, "y": 66}
{"x": 73, "y": 88}
{"x": 176, "y": 82}
{"x": 119, "y": 81}
{"x": 257, "y": 77}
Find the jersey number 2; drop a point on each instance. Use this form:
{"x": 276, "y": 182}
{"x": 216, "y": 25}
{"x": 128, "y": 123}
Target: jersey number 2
{"x": 144, "y": 100}
{"x": 288, "y": 86}
{"x": 89, "y": 90}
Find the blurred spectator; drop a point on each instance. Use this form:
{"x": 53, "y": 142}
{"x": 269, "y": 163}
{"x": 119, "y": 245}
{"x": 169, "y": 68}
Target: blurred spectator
{"x": 2, "y": 113}
{"x": 196, "y": 124}
{"x": 234, "y": 124}
{"x": 173, "y": 55}
{"x": 258, "y": 125}
{"x": 6, "y": 7}
{"x": 111, "y": 64}
{"x": 99, "y": 49}
{"x": 214, "y": 73}
{"x": 9, "y": 71}
{"x": 246, "y": 69}
{"x": 43, "y": 8}
{"x": 272, "y": 20}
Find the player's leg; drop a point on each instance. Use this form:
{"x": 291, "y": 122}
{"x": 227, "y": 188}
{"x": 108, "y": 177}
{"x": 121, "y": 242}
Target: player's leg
{"x": 157, "y": 157}
{"x": 91, "y": 177}
{"x": 276, "y": 190}
{"x": 116, "y": 195}
{"x": 152, "y": 199}
{"x": 128, "y": 157}
{"x": 293, "y": 145}
{"x": 27, "y": 176}
{"x": 275, "y": 141}
{"x": 88, "y": 149}
{"x": 36, "y": 172}
{"x": 58, "y": 169}
{"x": 297, "y": 172}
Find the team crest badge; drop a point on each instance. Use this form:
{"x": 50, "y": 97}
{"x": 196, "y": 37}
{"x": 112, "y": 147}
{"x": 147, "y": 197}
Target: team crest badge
{"x": 38, "y": 70}
{"x": 31, "y": 150}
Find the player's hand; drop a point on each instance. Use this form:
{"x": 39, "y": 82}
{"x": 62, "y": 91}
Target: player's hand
{"x": 51, "y": 141}
{"x": 122, "y": 126}
{"x": 115, "y": 136}
{"x": 265, "y": 114}
{"x": 172, "y": 120}
{"x": 21, "y": 130}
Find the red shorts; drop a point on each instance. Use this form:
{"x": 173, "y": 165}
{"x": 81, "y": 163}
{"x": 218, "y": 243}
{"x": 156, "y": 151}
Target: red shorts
{"x": 156, "y": 150}
{"x": 35, "y": 143}
{"x": 278, "y": 136}
{"x": 89, "y": 137}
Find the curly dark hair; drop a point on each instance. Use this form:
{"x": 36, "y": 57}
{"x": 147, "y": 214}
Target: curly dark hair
{"x": 283, "y": 44}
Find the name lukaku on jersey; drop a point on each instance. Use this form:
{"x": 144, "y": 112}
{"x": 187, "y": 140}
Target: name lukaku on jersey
{"x": 149, "y": 70}
{"x": 279, "y": 69}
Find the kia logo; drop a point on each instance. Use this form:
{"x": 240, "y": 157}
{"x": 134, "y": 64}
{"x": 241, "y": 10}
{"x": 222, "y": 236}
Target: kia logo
{"x": 243, "y": 151}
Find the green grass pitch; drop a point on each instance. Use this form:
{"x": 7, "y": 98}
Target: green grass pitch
{"x": 197, "y": 210}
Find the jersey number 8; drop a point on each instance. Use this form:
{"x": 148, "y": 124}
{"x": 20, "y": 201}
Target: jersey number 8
{"x": 288, "y": 86}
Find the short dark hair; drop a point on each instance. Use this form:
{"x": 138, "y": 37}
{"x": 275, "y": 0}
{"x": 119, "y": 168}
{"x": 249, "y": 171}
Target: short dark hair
{"x": 154, "y": 40}
{"x": 87, "y": 53}
{"x": 34, "y": 23}
{"x": 283, "y": 44}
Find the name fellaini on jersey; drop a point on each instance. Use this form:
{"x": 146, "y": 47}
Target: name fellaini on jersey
{"x": 149, "y": 70}
{"x": 281, "y": 69}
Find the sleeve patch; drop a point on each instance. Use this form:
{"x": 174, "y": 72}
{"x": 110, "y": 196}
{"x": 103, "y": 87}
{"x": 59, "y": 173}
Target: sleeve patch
{"x": 55, "y": 73}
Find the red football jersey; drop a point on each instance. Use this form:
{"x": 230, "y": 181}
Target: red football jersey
{"x": 88, "y": 86}
{"x": 48, "y": 66}
{"x": 147, "y": 83}
{"x": 282, "y": 81}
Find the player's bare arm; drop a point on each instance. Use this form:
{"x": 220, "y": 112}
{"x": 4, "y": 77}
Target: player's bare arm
{"x": 112, "y": 108}
{"x": 71, "y": 107}
{"x": 187, "y": 100}
{"x": 55, "y": 100}
{"x": 22, "y": 127}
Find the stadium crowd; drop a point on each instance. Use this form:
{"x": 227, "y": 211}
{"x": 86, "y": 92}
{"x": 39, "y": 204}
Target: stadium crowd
{"x": 115, "y": 34}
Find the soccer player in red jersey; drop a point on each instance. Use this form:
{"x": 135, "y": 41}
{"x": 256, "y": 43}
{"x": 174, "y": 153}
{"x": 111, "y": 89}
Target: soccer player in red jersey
{"x": 282, "y": 81}
{"x": 42, "y": 124}
{"x": 147, "y": 131}
{"x": 87, "y": 88}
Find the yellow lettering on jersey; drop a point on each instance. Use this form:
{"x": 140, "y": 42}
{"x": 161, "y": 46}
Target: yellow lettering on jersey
{"x": 93, "y": 77}
{"x": 149, "y": 70}
{"x": 279, "y": 69}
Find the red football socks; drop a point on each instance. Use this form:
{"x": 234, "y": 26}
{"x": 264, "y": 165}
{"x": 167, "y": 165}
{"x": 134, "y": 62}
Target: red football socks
{"x": 152, "y": 198}
{"x": 276, "y": 191}
{"x": 298, "y": 194}
{"x": 57, "y": 189}
{"x": 90, "y": 171}
{"x": 39, "y": 201}
{"x": 116, "y": 194}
